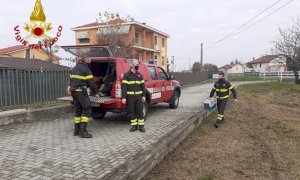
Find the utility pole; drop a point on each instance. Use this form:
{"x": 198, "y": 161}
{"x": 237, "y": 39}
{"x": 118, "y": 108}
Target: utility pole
{"x": 189, "y": 63}
{"x": 173, "y": 63}
{"x": 201, "y": 57}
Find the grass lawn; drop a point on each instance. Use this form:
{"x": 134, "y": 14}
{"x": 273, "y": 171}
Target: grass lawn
{"x": 260, "y": 140}
{"x": 244, "y": 78}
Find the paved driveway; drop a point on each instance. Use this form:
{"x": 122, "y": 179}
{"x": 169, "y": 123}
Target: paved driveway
{"x": 47, "y": 149}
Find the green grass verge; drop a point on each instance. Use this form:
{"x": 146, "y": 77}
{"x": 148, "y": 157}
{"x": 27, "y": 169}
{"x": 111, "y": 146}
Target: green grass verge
{"x": 251, "y": 78}
{"x": 268, "y": 87}
{"x": 244, "y": 78}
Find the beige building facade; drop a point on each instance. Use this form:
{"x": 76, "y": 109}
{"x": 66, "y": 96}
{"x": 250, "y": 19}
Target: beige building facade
{"x": 149, "y": 43}
{"x": 21, "y": 51}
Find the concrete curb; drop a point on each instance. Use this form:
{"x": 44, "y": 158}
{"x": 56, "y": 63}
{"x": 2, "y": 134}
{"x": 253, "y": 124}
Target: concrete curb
{"x": 35, "y": 115}
{"x": 138, "y": 166}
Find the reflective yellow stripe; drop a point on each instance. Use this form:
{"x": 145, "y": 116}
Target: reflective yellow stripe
{"x": 81, "y": 77}
{"x": 133, "y": 82}
{"x": 220, "y": 115}
{"x": 78, "y": 89}
{"x": 89, "y": 77}
{"x": 139, "y": 92}
{"x": 140, "y": 82}
{"x": 141, "y": 122}
{"x": 77, "y": 119}
{"x": 231, "y": 87}
{"x": 84, "y": 119}
{"x": 134, "y": 122}
{"x": 223, "y": 90}
{"x": 224, "y": 97}
{"x": 217, "y": 89}
{"x": 219, "y": 118}
{"x": 214, "y": 88}
{"x": 132, "y": 92}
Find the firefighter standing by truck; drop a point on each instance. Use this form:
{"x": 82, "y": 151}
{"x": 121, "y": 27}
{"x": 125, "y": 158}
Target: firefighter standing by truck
{"x": 80, "y": 79}
{"x": 222, "y": 88}
{"x": 133, "y": 94}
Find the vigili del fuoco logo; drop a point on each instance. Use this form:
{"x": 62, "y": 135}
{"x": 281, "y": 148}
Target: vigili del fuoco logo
{"x": 38, "y": 28}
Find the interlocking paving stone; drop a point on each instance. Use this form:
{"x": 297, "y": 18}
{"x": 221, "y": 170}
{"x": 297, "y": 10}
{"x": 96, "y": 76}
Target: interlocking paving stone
{"x": 47, "y": 149}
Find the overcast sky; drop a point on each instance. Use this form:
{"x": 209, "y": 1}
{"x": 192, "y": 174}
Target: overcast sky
{"x": 189, "y": 22}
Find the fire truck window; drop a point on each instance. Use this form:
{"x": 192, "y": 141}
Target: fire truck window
{"x": 162, "y": 74}
{"x": 152, "y": 72}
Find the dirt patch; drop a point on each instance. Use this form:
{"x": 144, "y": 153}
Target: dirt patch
{"x": 260, "y": 140}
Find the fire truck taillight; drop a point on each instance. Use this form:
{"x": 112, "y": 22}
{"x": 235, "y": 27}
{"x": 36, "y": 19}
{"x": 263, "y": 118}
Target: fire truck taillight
{"x": 118, "y": 90}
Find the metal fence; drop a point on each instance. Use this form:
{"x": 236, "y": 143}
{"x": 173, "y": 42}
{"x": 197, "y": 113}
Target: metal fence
{"x": 22, "y": 87}
{"x": 186, "y": 78}
{"x": 280, "y": 75}
{"x": 286, "y": 74}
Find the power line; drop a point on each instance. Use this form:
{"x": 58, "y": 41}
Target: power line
{"x": 247, "y": 27}
{"x": 262, "y": 19}
{"x": 243, "y": 25}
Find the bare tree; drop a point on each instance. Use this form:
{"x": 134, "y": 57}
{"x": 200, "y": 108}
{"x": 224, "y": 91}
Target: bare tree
{"x": 114, "y": 33}
{"x": 49, "y": 49}
{"x": 196, "y": 67}
{"x": 211, "y": 69}
{"x": 288, "y": 45}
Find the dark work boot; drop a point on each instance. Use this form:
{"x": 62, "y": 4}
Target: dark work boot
{"x": 142, "y": 128}
{"x": 77, "y": 128}
{"x": 218, "y": 123}
{"x": 133, "y": 128}
{"x": 83, "y": 133}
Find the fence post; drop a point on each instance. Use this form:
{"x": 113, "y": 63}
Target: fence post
{"x": 281, "y": 76}
{"x": 264, "y": 75}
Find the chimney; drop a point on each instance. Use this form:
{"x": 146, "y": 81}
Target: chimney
{"x": 253, "y": 58}
{"x": 27, "y": 53}
{"x": 132, "y": 19}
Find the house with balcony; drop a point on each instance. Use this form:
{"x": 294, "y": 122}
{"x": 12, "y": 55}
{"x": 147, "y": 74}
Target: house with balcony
{"x": 149, "y": 43}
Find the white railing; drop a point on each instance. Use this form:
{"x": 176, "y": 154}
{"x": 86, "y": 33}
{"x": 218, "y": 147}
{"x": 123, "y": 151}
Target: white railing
{"x": 280, "y": 75}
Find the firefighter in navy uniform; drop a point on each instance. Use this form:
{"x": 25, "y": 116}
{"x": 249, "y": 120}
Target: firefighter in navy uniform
{"x": 222, "y": 88}
{"x": 80, "y": 79}
{"x": 133, "y": 94}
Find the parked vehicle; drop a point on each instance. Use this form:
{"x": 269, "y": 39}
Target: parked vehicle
{"x": 160, "y": 86}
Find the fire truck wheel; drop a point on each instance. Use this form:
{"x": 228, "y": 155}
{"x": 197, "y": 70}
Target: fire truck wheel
{"x": 98, "y": 113}
{"x": 174, "y": 101}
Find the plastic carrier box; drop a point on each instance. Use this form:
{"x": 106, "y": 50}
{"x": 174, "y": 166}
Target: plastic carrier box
{"x": 210, "y": 104}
